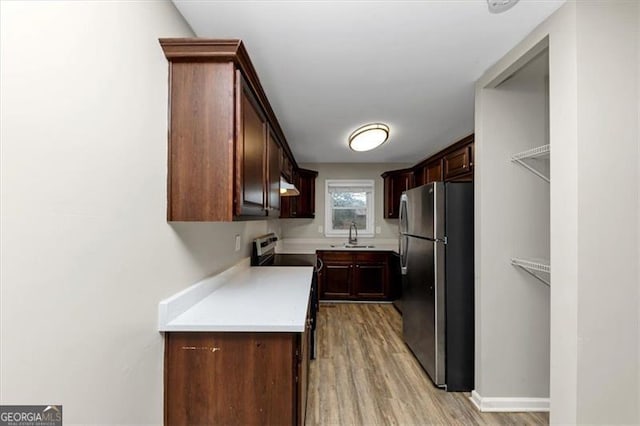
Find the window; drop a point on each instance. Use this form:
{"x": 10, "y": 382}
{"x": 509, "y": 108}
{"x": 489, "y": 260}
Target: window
{"x": 348, "y": 201}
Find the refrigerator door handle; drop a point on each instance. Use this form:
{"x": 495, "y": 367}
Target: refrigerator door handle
{"x": 403, "y": 214}
{"x": 404, "y": 241}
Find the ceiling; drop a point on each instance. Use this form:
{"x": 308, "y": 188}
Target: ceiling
{"x": 329, "y": 67}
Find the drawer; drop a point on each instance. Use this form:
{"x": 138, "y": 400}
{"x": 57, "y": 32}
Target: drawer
{"x": 340, "y": 256}
{"x": 372, "y": 256}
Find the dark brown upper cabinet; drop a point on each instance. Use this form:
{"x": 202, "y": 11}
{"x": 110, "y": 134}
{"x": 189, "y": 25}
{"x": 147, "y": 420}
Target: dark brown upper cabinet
{"x": 427, "y": 173}
{"x": 433, "y": 172}
{"x": 457, "y": 163}
{"x": 274, "y": 172}
{"x": 302, "y": 206}
{"x": 454, "y": 163}
{"x": 225, "y": 143}
{"x": 251, "y": 152}
{"x": 287, "y": 168}
{"x": 289, "y": 205}
{"x": 306, "y": 184}
{"x": 395, "y": 182}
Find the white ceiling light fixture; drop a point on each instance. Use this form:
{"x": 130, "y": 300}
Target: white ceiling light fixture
{"x": 499, "y": 6}
{"x": 368, "y": 137}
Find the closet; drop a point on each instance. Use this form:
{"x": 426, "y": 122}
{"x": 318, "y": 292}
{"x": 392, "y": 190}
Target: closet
{"x": 513, "y": 185}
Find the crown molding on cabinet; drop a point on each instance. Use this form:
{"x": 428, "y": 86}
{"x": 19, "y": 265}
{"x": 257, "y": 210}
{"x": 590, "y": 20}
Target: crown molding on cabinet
{"x": 226, "y": 50}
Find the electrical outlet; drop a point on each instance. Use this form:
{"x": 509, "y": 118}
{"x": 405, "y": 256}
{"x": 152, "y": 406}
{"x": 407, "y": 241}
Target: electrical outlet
{"x": 378, "y": 230}
{"x": 320, "y": 229}
{"x": 238, "y": 241}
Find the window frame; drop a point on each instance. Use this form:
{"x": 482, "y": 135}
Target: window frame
{"x": 369, "y": 231}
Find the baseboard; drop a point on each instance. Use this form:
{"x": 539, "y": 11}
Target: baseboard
{"x": 509, "y": 404}
{"x": 331, "y": 302}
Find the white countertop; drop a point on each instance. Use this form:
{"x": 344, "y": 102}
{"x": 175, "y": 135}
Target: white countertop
{"x": 309, "y": 246}
{"x": 243, "y": 298}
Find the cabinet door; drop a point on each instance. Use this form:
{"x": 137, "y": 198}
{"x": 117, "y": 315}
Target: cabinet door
{"x": 337, "y": 274}
{"x": 200, "y": 181}
{"x": 205, "y": 387}
{"x": 306, "y": 201}
{"x": 251, "y": 154}
{"x": 289, "y": 205}
{"x": 371, "y": 276}
{"x": 303, "y": 205}
{"x": 287, "y": 168}
{"x": 390, "y": 210}
{"x": 303, "y": 371}
{"x": 337, "y": 280}
{"x": 433, "y": 172}
{"x": 419, "y": 175}
{"x": 405, "y": 181}
{"x": 457, "y": 163}
{"x": 394, "y": 184}
{"x": 274, "y": 175}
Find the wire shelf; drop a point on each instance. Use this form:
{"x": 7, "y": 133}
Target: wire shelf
{"x": 534, "y": 268}
{"x": 540, "y": 152}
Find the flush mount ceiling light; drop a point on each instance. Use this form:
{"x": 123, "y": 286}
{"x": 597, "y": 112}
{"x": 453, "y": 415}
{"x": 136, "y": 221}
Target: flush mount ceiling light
{"x": 499, "y": 6}
{"x": 368, "y": 137}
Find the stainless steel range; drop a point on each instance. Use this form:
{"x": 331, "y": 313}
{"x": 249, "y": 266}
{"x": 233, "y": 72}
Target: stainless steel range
{"x": 263, "y": 253}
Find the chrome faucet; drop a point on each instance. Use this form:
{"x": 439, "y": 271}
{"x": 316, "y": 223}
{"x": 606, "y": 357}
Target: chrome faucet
{"x": 353, "y": 240}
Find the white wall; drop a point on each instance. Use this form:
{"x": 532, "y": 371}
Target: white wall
{"x": 607, "y": 38}
{"x": 308, "y": 228}
{"x": 594, "y": 208}
{"x": 86, "y": 251}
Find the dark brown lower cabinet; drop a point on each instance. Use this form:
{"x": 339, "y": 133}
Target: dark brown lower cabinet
{"x": 240, "y": 378}
{"x": 337, "y": 275}
{"x": 349, "y": 275}
{"x": 371, "y": 279}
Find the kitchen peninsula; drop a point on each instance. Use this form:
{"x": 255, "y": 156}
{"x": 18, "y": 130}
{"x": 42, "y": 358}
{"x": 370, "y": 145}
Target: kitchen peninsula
{"x": 237, "y": 347}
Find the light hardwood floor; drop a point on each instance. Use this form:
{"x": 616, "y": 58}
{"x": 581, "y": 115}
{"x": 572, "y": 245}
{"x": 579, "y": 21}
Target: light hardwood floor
{"x": 365, "y": 375}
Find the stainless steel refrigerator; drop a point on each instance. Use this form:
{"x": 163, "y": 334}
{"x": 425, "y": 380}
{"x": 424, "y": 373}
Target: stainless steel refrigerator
{"x": 436, "y": 255}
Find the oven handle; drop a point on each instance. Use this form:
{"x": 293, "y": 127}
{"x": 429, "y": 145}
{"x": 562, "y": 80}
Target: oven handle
{"x": 321, "y": 265}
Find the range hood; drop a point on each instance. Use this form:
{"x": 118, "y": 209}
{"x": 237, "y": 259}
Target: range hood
{"x": 287, "y": 189}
